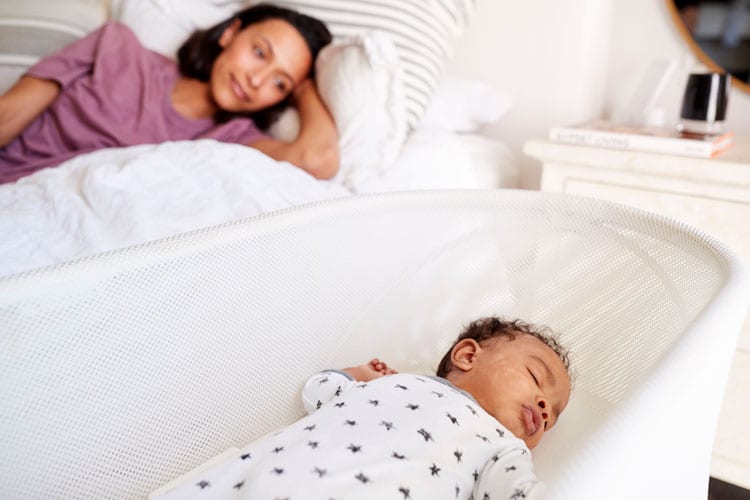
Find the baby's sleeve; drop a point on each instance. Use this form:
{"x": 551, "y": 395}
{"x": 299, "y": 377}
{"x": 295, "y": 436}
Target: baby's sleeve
{"x": 323, "y": 387}
{"x": 509, "y": 475}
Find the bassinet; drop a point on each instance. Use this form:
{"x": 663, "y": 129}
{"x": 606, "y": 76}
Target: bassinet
{"x": 122, "y": 371}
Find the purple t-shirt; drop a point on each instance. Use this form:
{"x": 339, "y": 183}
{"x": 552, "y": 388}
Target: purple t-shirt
{"x": 114, "y": 93}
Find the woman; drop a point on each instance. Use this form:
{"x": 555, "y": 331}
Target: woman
{"x": 107, "y": 90}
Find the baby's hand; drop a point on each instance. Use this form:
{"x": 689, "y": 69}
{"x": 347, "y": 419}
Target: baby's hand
{"x": 372, "y": 370}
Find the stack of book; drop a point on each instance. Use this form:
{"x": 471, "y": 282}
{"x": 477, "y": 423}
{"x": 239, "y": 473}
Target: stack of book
{"x": 605, "y": 134}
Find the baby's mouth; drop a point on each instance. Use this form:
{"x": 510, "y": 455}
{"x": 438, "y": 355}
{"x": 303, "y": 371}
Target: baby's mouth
{"x": 532, "y": 420}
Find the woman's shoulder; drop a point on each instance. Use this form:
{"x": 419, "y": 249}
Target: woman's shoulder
{"x": 119, "y": 31}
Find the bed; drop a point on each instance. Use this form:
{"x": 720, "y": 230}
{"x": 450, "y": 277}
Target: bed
{"x": 423, "y": 130}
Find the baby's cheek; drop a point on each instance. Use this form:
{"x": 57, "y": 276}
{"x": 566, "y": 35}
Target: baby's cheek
{"x": 510, "y": 421}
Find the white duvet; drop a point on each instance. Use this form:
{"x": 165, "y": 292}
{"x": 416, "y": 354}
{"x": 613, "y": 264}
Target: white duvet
{"x": 119, "y": 197}
{"x": 114, "y": 198}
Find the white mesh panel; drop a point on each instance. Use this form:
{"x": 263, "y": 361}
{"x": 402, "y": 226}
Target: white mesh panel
{"x": 122, "y": 371}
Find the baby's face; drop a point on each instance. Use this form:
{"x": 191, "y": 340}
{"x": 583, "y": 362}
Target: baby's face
{"x": 521, "y": 382}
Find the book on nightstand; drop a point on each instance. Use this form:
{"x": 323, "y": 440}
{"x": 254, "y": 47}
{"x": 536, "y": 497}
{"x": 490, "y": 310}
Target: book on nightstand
{"x": 606, "y": 134}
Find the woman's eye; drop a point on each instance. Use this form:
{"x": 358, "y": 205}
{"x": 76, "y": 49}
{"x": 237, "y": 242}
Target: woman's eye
{"x": 281, "y": 85}
{"x": 259, "y": 52}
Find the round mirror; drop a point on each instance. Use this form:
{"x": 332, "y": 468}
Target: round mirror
{"x": 718, "y": 32}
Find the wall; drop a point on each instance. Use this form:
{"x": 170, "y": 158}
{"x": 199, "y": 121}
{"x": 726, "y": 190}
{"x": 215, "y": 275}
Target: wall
{"x": 566, "y": 62}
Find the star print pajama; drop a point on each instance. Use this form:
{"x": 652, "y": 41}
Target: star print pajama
{"x": 400, "y": 437}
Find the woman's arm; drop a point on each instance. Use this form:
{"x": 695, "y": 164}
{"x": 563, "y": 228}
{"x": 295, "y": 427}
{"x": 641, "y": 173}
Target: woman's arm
{"x": 315, "y": 150}
{"x": 26, "y": 100}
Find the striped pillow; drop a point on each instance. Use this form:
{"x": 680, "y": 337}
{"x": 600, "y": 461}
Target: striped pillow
{"x": 423, "y": 31}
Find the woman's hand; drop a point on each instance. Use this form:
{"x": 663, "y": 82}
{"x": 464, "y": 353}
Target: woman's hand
{"x": 300, "y": 90}
{"x": 316, "y": 148}
{"x": 372, "y": 370}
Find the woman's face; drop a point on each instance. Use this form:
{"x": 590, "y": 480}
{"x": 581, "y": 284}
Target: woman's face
{"x": 259, "y": 65}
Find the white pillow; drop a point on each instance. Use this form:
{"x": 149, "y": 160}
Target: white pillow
{"x": 360, "y": 80}
{"x": 164, "y": 25}
{"x": 424, "y": 34}
{"x": 465, "y": 106}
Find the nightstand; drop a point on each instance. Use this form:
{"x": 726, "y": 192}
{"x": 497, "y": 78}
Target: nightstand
{"x": 712, "y": 194}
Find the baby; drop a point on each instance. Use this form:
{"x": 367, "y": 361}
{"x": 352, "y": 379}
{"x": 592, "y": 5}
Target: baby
{"x": 372, "y": 433}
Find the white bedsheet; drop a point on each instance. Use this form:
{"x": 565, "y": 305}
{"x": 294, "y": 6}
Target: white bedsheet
{"x": 115, "y": 198}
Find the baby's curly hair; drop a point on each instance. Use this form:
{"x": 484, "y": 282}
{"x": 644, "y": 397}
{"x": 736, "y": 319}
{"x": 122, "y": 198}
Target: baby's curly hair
{"x": 492, "y": 327}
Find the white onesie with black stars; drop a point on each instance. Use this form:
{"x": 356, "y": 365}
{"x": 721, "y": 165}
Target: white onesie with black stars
{"x": 400, "y": 437}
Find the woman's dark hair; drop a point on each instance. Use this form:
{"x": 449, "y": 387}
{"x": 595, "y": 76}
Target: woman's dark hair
{"x": 492, "y": 327}
{"x": 197, "y": 55}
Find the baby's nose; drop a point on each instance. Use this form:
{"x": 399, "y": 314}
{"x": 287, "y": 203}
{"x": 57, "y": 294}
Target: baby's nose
{"x": 543, "y": 407}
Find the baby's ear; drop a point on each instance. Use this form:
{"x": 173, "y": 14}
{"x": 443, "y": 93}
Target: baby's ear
{"x": 464, "y": 353}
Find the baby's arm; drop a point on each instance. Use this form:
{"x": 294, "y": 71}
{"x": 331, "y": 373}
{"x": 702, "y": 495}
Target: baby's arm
{"x": 324, "y": 386}
{"x": 510, "y": 475}
{"x": 374, "y": 369}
